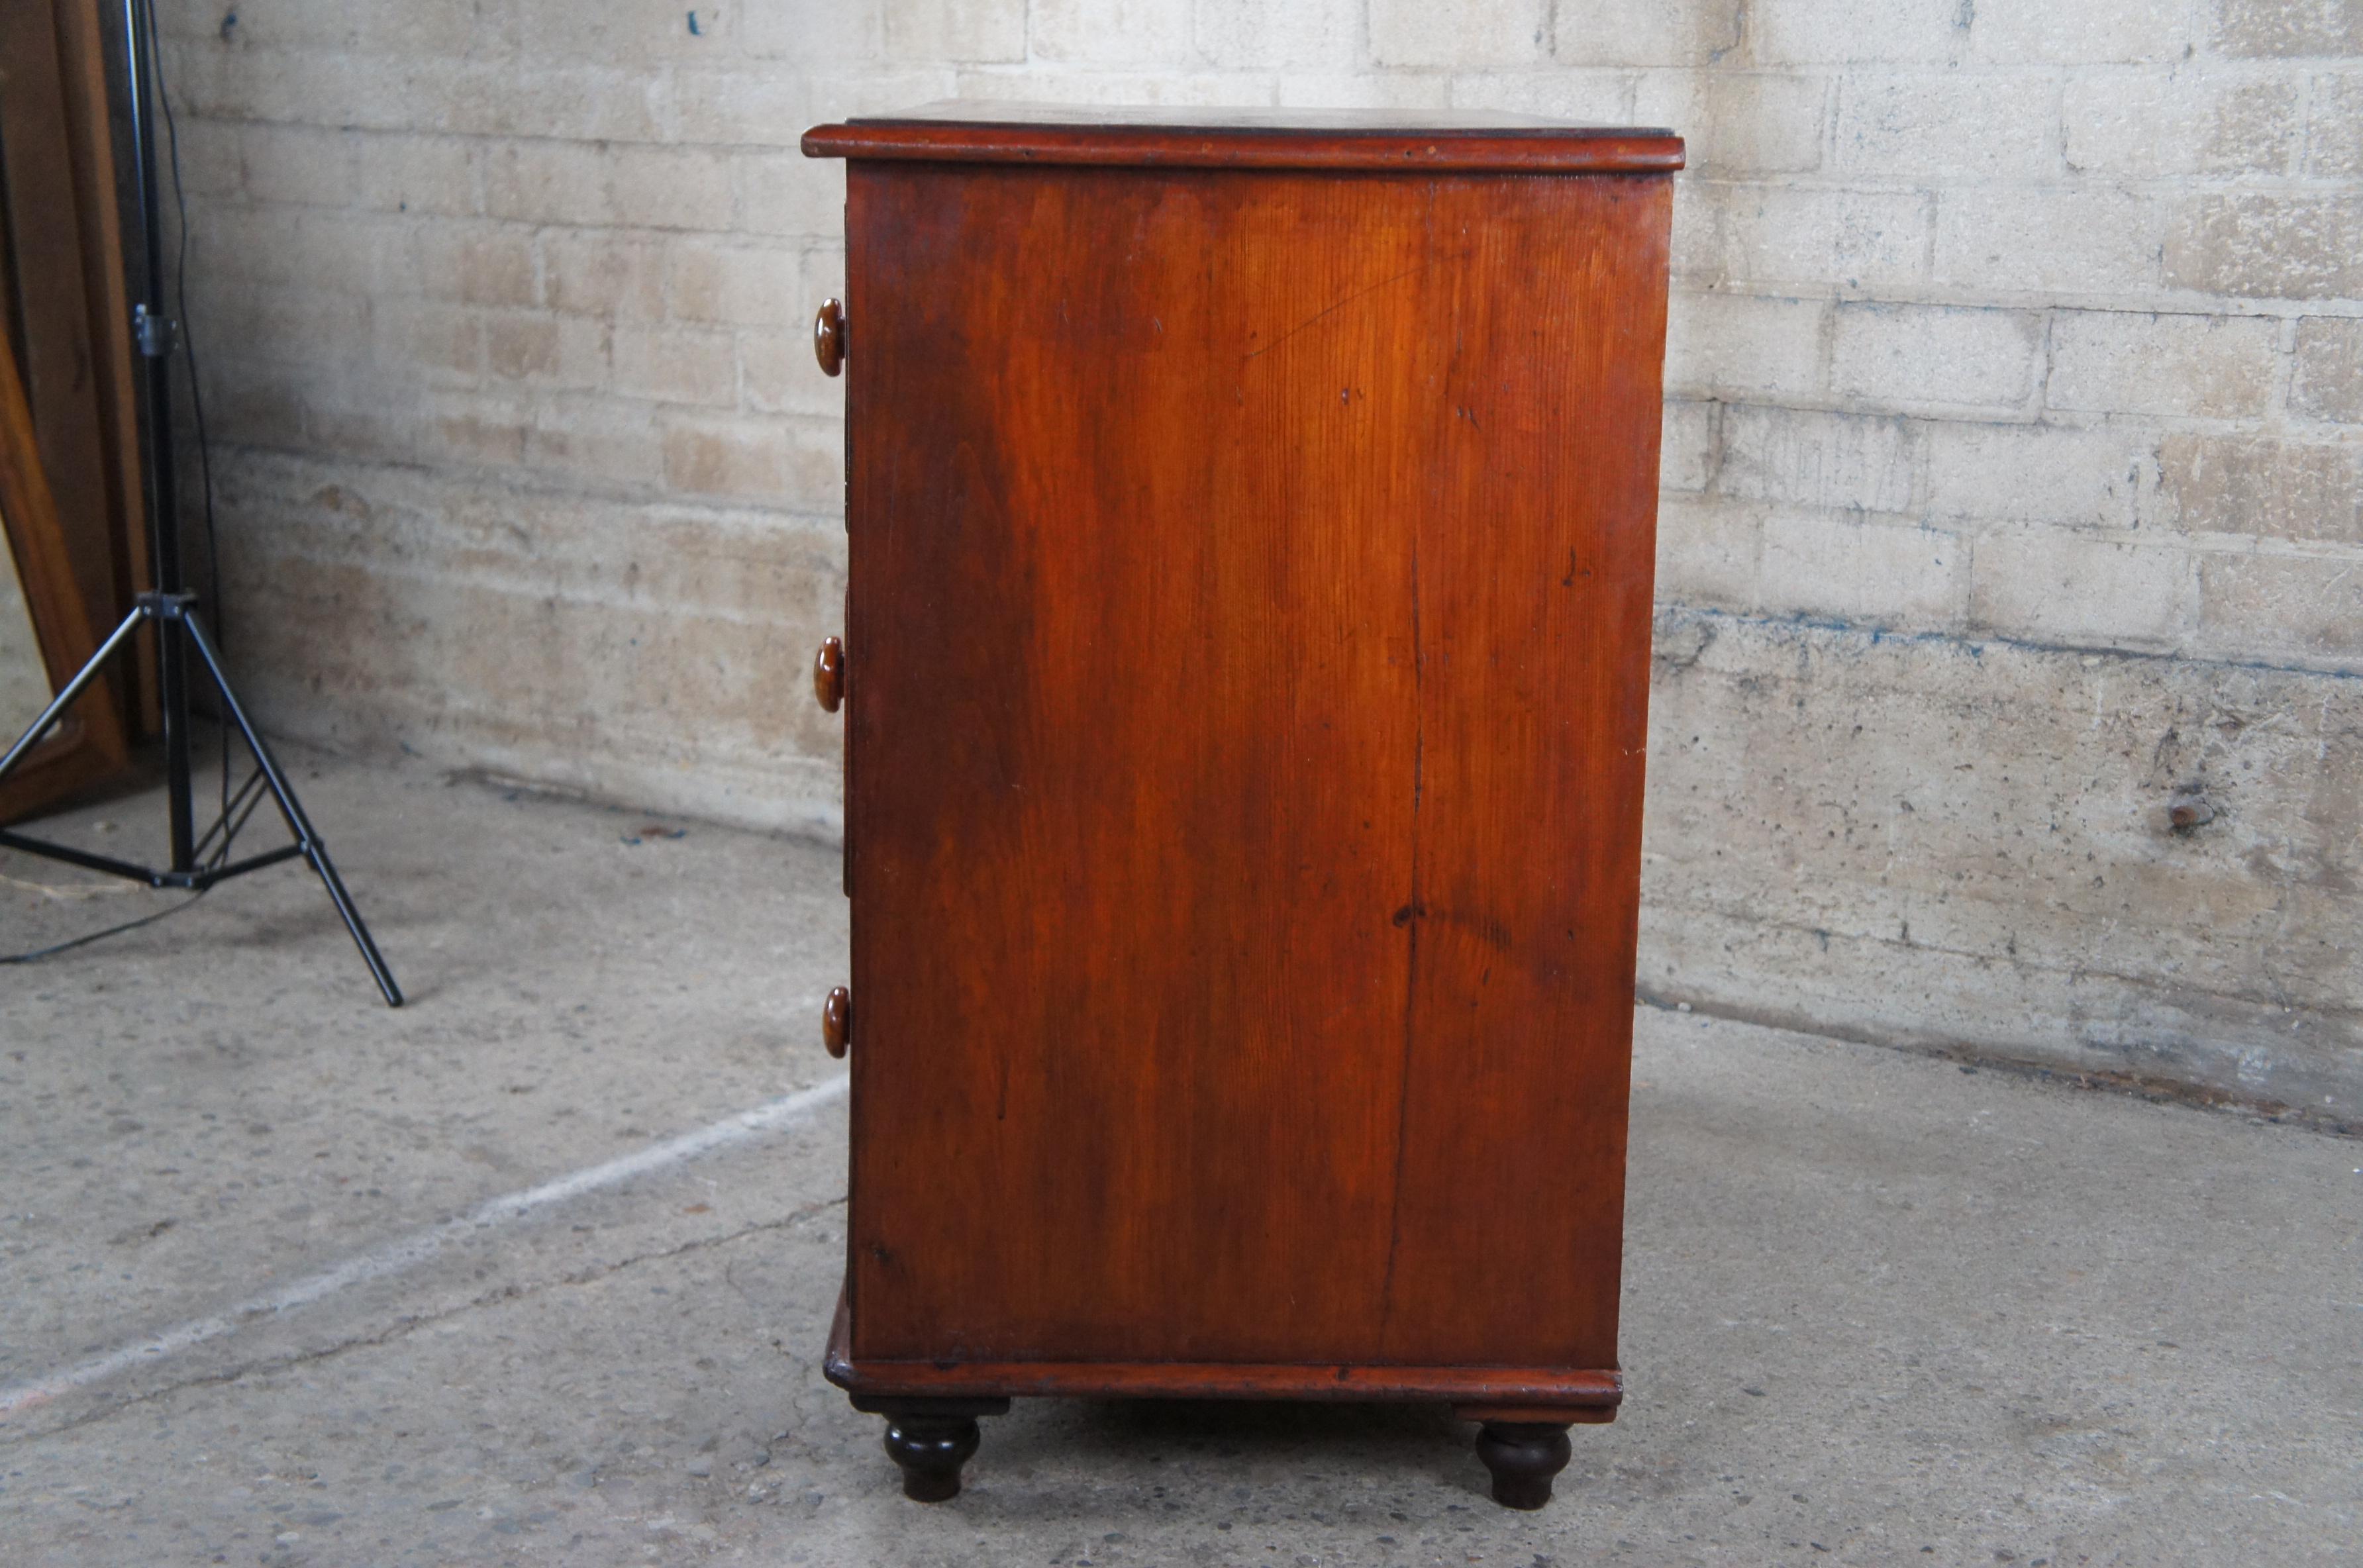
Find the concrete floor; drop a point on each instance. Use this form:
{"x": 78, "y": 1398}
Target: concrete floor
{"x": 1878, "y": 1308}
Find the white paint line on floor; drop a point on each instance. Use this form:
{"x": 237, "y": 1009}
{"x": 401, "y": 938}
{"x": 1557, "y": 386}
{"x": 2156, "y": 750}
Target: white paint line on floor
{"x": 409, "y": 1252}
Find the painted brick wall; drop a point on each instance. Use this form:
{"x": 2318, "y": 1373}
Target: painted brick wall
{"x": 2014, "y": 486}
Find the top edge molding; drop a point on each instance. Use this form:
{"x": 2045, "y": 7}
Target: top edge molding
{"x": 1185, "y": 139}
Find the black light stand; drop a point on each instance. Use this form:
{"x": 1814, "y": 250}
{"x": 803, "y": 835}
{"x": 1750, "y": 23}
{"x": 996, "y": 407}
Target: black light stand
{"x": 173, "y": 610}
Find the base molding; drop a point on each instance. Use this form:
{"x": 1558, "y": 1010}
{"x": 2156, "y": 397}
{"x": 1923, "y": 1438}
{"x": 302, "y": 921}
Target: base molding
{"x": 1476, "y": 1392}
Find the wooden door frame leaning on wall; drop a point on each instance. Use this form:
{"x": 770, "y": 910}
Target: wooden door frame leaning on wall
{"x": 74, "y": 480}
{"x": 91, "y": 744}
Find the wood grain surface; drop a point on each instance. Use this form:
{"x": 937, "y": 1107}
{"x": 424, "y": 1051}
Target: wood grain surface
{"x": 1247, "y": 652}
{"x": 88, "y": 743}
{"x": 63, "y": 298}
{"x": 58, "y": 356}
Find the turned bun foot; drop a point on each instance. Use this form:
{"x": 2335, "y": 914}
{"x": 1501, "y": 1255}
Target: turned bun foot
{"x": 931, "y": 1450}
{"x": 1523, "y": 1457}
{"x": 930, "y": 1439}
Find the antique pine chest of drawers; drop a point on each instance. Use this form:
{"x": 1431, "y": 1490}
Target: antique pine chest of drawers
{"x": 1245, "y": 670}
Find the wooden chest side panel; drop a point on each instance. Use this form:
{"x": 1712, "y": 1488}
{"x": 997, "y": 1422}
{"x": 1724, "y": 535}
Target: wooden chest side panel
{"x": 1536, "y": 560}
{"x": 1164, "y": 489}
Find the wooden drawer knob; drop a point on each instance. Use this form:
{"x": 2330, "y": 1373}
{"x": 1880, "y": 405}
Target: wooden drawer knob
{"x": 828, "y": 338}
{"x": 828, "y": 673}
{"x": 835, "y": 1015}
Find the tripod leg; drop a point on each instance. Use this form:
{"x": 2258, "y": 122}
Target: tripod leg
{"x": 293, "y": 810}
{"x": 73, "y": 689}
{"x": 318, "y": 855}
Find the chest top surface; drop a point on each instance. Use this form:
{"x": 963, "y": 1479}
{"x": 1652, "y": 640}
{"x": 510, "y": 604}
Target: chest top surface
{"x": 1463, "y": 140}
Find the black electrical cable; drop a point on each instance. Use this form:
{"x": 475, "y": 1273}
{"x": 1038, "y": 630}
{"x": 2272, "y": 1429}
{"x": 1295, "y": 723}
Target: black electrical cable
{"x": 68, "y": 946}
{"x": 188, "y": 339}
{"x": 196, "y": 388}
